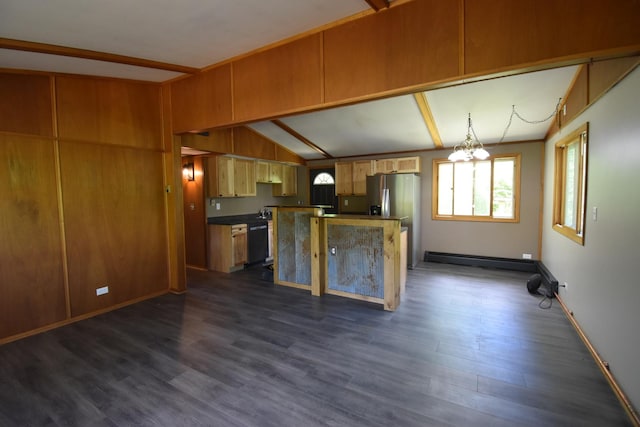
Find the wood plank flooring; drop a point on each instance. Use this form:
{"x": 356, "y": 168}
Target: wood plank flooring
{"x": 467, "y": 347}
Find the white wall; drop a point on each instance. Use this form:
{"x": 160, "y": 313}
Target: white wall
{"x": 503, "y": 240}
{"x": 603, "y": 275}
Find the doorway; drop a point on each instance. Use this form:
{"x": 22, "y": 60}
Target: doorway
{"x": 322, "y": 188}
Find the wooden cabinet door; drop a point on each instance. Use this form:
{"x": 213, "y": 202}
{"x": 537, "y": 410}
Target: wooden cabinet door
{"x": 408, "y": 165}
{"x": 289, "y": 185}
{"x": 275, "y": 173}
{"x": 344, "y": 178}
{"x": 239, "y": 246}
{"x": 289, "y": 180}
{"x": 386, "y": 166}
{"x": 263, "y": 172}
{"x": 244, "y": 178}
{"x": 361, "y": 169}
{"x": 225, "y": 176}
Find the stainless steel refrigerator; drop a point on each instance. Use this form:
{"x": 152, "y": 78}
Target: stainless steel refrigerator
{"x": 404, "y": 200}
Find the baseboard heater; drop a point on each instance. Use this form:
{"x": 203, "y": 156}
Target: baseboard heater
{"x": 526, "y": 265}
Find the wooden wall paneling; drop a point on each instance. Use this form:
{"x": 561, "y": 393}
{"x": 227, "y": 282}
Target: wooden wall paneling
{"x": 249, "y": 143}
{"x": 25, "y": 104}
{"x": 604, "y": 74}
{"x": 202, "y": 101}
{"x": 406, "y": 45}
{"x": 195, "y": 216}
{"x": 578, "y": 97}
{"x": 31, "y": 259}
{"x": 176, "y": 262}
{"x": 217, "y": 141}
{"x": 286, "y": 156}
{"x": 114, "y": 224}
{"x": 503, "y": 33}
{"x": 109, "y": 111}
{"x": 283, "y": 79}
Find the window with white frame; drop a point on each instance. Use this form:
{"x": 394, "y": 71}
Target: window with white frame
{"x": 477, "y": 190}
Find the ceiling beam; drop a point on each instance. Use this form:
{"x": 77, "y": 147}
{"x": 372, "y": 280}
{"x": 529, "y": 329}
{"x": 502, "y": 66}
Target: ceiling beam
{"x": 425, "y": 111}
{"x": 378, "y": 4}
{"x": 92, "y": 54}
{"x": 296, "y": 135}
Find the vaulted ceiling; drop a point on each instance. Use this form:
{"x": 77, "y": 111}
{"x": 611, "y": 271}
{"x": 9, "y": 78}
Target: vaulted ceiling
{"x": 158, "y": 40}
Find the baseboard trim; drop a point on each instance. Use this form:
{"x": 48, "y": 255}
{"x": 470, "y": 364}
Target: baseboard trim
{"x": 604, "y": 366}
{"x": 526, "y": 265}
{"x": 482, "y": 261}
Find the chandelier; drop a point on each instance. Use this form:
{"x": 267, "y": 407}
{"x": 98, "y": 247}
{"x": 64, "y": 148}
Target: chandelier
{"x": 469, "y": 149}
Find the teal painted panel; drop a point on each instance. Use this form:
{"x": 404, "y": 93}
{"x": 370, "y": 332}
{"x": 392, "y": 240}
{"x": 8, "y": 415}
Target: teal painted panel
{"x": 358, "y": 264}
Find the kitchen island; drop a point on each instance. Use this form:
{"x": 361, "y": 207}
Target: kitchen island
{"x": 353, "y": 256}
{"x": 359, "y": 256}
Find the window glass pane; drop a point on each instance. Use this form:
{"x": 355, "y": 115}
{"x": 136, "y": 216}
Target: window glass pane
{"x": 571, "y": 185}
{"x": 482, "y": 188}
{"x": 323, "y": 178}
{"x": 503, "y": 192}
{"x": 445, "y": 189}
{"x": 463, "y": 188}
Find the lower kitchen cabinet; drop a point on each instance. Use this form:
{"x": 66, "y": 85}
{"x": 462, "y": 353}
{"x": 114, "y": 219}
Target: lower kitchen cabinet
{"x": 227, "y": 247}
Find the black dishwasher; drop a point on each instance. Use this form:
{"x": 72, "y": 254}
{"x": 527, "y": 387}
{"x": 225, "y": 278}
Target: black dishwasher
{"x": 257, "y": 242}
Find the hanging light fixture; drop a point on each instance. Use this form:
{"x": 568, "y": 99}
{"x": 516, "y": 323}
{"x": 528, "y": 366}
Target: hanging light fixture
{"x": 470, "y": 148}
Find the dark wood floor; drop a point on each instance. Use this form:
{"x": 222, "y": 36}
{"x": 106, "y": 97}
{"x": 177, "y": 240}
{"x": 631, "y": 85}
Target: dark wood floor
{"x": 467, "y": 347}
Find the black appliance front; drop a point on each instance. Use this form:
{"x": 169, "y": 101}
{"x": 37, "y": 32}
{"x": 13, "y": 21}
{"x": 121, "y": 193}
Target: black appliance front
{"x": 257, "y": 243}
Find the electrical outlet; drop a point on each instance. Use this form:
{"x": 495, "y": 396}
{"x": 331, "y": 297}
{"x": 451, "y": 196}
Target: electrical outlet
{"x": 526, "y": 256}
{"x": 594, "y": 213}
{"x": 103, "y": 290}
{"x": 217, "y": 206}
{"x": 346, "y": 202}
{"x": 565, "y": 285}
{"x": 333, "y": 250}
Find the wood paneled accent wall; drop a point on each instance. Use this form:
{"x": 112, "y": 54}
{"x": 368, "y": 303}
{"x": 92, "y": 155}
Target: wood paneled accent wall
{"x": 83, "y": 205}
{"x": 592, "y": 81}
{"x": 285, "y": 78}
{"x": 401, "y": 47}
{"x": 414, "y": 45}
{"x": 501, "y": 34}
{"x": 202, "y": 101}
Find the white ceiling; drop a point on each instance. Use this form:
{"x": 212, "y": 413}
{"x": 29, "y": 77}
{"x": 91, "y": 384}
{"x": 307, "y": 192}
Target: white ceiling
{"x": 198, "y": 33}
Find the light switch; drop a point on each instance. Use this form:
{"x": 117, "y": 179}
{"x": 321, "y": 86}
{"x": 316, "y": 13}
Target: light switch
{"x": 594, "y": 213}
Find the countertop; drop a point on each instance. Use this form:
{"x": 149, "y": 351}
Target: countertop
{"x": 249, "y": 219}
{"x": 369, "y": 217}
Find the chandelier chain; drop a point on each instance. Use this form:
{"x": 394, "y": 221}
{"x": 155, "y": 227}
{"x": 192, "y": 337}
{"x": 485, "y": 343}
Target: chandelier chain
{"x": 531, "y": 122}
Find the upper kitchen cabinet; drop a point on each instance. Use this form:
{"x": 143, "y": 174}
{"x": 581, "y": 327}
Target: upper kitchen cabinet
{"x": 269, "y": 173}
{"x": 289, "y": 184}
{"x": 283, "y": 79}
{"x": 406, "y": 45}
{"x": 25, "y": 104}
{"x": 399, "y": 165}
{"x": 230, "y": 177}
{"x": 109, "y": 111}
{"x": 351, "y": 177}
{"x": 202, "y": 101}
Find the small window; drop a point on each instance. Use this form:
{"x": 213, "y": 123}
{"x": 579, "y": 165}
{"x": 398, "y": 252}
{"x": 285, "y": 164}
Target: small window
{"x": 570, "y": 185}
{"x": 480, "y": 190}
{"x": 323, "y": 178}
